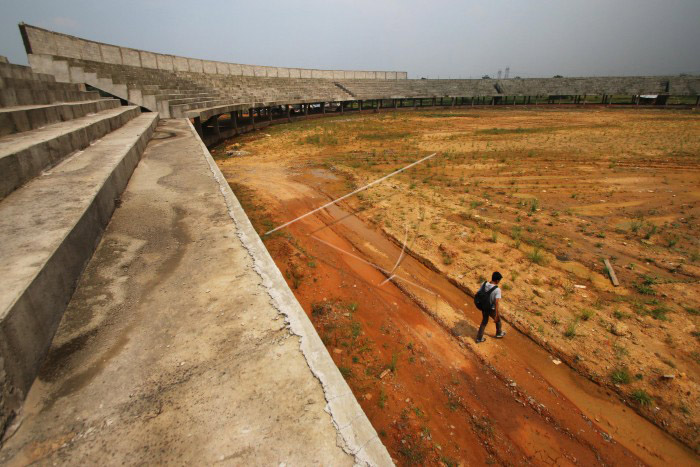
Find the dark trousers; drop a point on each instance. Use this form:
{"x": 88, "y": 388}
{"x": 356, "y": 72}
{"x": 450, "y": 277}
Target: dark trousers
{"x": 485, "y": 320}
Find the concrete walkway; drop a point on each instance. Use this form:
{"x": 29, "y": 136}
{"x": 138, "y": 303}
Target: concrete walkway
{"x": 183, "y": 344}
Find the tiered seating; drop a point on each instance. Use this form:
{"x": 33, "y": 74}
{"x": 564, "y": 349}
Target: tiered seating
{"x": 65, "y": 157}
{"x": 370, "y": 89}
{"x": 153, "y": 89}
{"x": 412, "y": 88}
{"x": 173, "y": 94}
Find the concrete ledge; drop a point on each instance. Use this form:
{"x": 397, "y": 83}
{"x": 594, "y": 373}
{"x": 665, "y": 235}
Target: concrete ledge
{"x": 48, "y": 231}
{"x": 358, "y": 436}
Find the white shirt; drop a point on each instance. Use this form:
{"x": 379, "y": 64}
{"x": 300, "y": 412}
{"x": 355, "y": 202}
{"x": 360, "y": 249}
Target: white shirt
{"x": 497, "y": 294}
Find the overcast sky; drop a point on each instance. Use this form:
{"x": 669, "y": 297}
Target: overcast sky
{"x": 426, "y": 38}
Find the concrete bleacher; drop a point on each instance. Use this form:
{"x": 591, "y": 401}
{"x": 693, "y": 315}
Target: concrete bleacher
{"x": 65, "y": 157}
{"x": 101, "y": 307}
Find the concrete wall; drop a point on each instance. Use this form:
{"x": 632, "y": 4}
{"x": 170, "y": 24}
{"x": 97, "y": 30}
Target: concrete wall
{"x": 42, "y": 41}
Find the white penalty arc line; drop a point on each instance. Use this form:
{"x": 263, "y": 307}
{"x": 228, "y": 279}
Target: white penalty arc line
{"x": 379, "y": 268}
{"x": 398, "y": 261}
{"x": 350, "y": 194}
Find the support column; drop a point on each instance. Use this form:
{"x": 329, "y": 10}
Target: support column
{"x": 198, "y": 126}
{"x": 434, "y": 100}
{"x": 359, "y": 106}
{"x": 306, "y": 110}
{"x": 217, "y": 129}
{"x": 697, "y": 101}
{"x": 342, "y": 107}
{"x": 454, "y": 101}
{"x": 269, "y": 114}
{"x": 251, "y": 114}
{"x": 377, "y": 104}
{"x": 234, "y": 122}
{"x": 396, "y": 103}
{"x": 323, "y": 107}
{"x": 287, "y": 112}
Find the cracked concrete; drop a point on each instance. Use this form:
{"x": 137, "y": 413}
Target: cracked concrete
{"x": 358, "y": 436}
{"x": 173, "y": 349}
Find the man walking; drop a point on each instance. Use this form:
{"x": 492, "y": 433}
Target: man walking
{"x": 487, "y": 299}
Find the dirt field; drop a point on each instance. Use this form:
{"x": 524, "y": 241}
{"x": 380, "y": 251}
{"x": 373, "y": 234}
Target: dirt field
{"x": 588, "y": 372}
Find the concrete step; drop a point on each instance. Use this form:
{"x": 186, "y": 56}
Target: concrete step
{"x": 25, "y": 155}
{"x": 10, "y": 70}
{"x": 10, "y": 97}
{"x": 48, "y": 231}
{"x": 39, "y": 85}
{"x": 29, "y": 117}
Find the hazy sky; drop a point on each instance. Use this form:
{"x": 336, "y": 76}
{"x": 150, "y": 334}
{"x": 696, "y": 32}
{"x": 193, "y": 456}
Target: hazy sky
{"x": 426, "y": 38}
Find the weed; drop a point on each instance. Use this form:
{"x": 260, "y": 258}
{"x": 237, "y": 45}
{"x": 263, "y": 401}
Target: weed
{"x": 534, "y": 204}
{"x": 413, "y": 450}
{"x": 620, "y": 350}
{"x": 345, "y": 371}
{"x": 620, "y": 376}
{"x": 641, "y": 397}
{"x": 570, "y": 332}
{"x": 536, "y": 256}
{"x": 318, "y": 308}
{"x": 659, "y": 313}
{"x": 355, "y": 329}
{"x": 586, "y": 314}
{"x": 620, "y": 315}
{"x": 381, "y": 400}
{"x": 394, "y": 361}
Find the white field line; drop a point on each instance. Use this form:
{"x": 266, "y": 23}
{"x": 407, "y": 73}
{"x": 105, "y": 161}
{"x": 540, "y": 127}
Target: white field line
{"x": 350, "y": 194}
{"x": 379, "y": 268}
